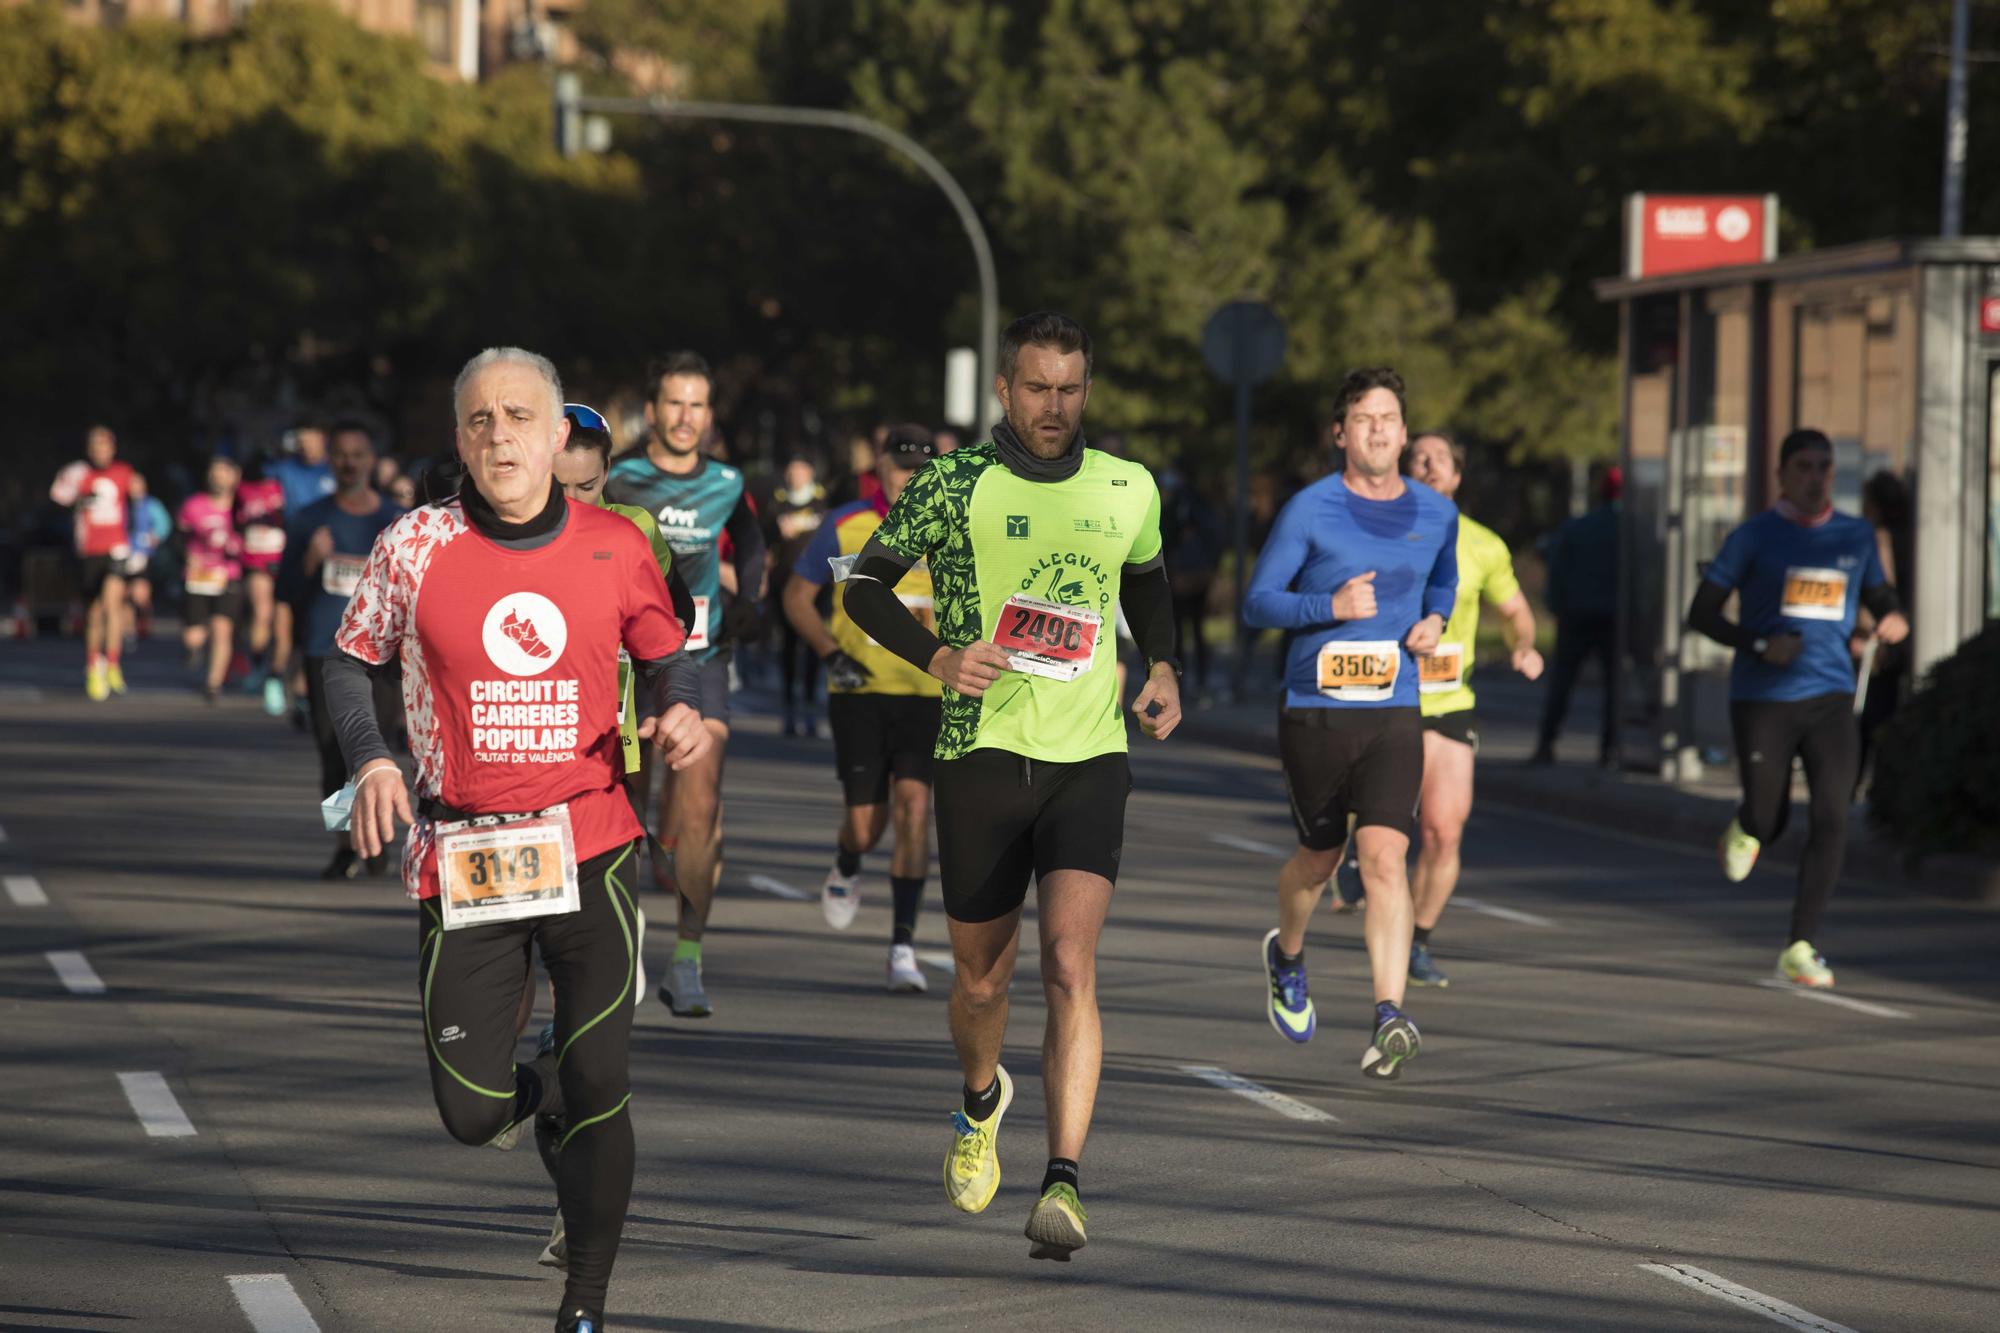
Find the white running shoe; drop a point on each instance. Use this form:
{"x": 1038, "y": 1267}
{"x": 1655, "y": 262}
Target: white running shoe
{"x": 556, "y": 1253}
{"x": 840, "y": 898}
{"x": 638, "y": 965}
{"x": 904, "y": 974}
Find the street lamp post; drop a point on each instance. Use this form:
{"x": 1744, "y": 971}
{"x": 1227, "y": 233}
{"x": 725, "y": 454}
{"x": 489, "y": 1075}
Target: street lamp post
{"x": 571, "y": 106}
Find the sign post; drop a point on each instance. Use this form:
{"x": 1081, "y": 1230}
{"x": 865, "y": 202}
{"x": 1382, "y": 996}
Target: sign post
{"x": 1243, "y": 344}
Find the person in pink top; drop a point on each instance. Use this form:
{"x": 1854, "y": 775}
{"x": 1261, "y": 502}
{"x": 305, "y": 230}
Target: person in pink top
{"x": 260, "y": 518}
{"x": 214, "y": 559}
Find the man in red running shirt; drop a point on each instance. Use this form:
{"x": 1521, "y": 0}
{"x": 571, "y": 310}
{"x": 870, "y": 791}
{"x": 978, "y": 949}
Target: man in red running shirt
{"x": 99, "y": 488}
{"x": 507, "y": 606}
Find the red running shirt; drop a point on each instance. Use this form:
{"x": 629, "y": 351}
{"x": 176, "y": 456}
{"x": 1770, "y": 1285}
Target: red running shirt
{"x": 510, "y": 665}
{"x": 100, "y": 497}
{"x": 260, "y": 517}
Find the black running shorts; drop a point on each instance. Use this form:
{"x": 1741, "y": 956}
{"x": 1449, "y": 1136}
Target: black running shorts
{"x": 714, "y": 677}
{"x": 200, "y": 608}
{"x": 1461, "y": 726}
{"x": 1364, "y": 762}
{"x": 1002, "y": 817}
{"x": 95, "y": 570}
{"x": 875, "y": 735}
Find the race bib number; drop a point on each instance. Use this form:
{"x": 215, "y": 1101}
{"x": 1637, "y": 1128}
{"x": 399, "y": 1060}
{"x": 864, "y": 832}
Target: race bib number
{"x": 341, "y": 574}
{"x": 1443, "y": 671}
{"x": 506, "y": 871}
{"x": 1359, "y": 673}
{"x": 624, "y": 682}
{"x": 1044, "y": 638}
{"x": 698, "y": 632}
{"x": 207, "y": 582}
{"x": 1815, "y": 594}
{"x": 263, "y": 539}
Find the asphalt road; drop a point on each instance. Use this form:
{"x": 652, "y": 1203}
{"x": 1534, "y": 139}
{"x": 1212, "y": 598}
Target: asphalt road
{"x": 1612, "y": 1125}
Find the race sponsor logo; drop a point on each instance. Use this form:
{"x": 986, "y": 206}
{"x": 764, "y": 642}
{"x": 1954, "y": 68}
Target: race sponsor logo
{"x": 1017, "y": 526}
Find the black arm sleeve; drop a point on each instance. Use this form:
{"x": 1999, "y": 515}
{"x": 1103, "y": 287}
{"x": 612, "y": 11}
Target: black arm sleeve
{"x": 350, "y": 700}
{"x": 665, "y": 681}
{"x": 678, "y": 594}
{"x": 1148, "y": 600}
{"x": 1706, "y": 615}
{"x": 1881, "y": 600}
{"x": 748, "y": 538}
{"x": 871, "y": 603}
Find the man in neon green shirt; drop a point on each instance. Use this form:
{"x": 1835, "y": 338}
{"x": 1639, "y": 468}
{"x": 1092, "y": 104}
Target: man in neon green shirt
{"x": 1034, "y": 543}
{"x": 1451, "y": 728}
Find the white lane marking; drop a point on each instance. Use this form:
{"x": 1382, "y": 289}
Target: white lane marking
{"x": 75, "y": 972}
{"x": 153, "y": 1102}
{"x": 1504, "y": 913}
{"x": 1247, "y": 844}
{"x": 25, "y": 890}
{"x": 1257, "y": 1092}
{"x": 938, "y": 959}
{"x": 1828, "y": 997}
{"x": 778, "y": 887}
{"x": 271, "y": 1304}
{"x": 1782, "y": 1312}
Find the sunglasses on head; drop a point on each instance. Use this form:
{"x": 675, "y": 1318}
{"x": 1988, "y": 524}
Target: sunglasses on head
{"x": 587, "y": 417}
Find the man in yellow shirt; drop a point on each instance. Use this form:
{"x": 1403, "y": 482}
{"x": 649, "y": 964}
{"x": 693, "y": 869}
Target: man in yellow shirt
{"x": 883, "y": 712}
{"x": 1451, "y": 727}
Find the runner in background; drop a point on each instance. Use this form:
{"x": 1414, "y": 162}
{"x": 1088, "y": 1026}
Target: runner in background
{"x": 98, "y": 490}
{"x": 797, "y": 509}
{"x": 305, "y": 476}
{"x": 213, "y": 578}
{"x": 260, "y": 519}
{"x": 882, "y": 710}
{"x": 152, "y": 527}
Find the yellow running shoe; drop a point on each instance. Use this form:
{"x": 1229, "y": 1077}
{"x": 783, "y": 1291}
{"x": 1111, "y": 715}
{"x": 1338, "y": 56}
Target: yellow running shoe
{"x": 972, "y": 1165}
{"x": 1802, "y": 966}
{"x": 97, "y": 684}
{"x": 1739, "y": 852}
{"x": 1056, "y": 1225}
{"x": 115, "y": 678}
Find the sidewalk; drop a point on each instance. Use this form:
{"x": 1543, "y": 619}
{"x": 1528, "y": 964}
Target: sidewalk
{"x": 1575, "y": 788}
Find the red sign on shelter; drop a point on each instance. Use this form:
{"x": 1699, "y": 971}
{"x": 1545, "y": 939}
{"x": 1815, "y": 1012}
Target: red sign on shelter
{"x": 1672, "y": 233}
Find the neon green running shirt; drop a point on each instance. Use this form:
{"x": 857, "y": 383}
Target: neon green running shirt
{"x": 1485, "y": 571}
{"x": 988, "y": 535}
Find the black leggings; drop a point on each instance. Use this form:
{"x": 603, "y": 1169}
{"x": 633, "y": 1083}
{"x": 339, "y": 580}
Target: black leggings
{"x": 797, "y": 665}
{"x": 472, "y": 980}
{"x": 1821, "y": 732}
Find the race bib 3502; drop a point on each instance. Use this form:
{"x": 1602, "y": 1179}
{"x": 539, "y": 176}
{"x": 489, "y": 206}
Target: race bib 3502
{"x": 1359, "y": 672}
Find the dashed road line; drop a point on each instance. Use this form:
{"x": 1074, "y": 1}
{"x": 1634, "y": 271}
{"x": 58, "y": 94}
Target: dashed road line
{"x": 778, "y": 888}
{"x": 271, "y": 1304}
{"x": 1291, "y": 1107}
{"x": 153, "y": 1102}
{"x": 1828, "y": 997}
{"x": 25, "y": 890}
{"x": 75, "y": 972}
{"x": 1485, "y": 908}
{"x": 1248, "y": 845}
{"x": 1781, "y": 1312}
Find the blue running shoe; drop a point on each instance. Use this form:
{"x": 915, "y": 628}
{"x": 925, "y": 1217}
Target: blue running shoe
{"x": 579, "y": 1320}
{"x": 1291, "y": 1006}
{"x": 1396, "y": 1040}
{"x": 1423, "y": 971}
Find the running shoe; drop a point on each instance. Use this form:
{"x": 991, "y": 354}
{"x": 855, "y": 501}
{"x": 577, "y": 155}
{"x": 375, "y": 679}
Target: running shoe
{"x": 556, "y": 1253}
{"x": 97, "y": 684}
{"x": 1802, "y": 965}
{"x": 508, "y": 1137}
{"x": 274, "y": 696}
{"x": 972, "y": 1163}
{"x": 1739, "y": 853}
{"x": 840, "y": 898}
{"x": 1348, "y": 894}
{"x": 682, "y": 990}
{"x": 1422, "y": 970}
{"x": 346, "y": 864}
{"x": 1396, "y": 1040}
{"x": 576, "y": 1319}
{"x": 114, "y": 676}
{"x": 639, "y": 959}
{"x": 1291, "y": 1006}
{"x": 904, "y": 974}
{"x": 1056, "y": 1225}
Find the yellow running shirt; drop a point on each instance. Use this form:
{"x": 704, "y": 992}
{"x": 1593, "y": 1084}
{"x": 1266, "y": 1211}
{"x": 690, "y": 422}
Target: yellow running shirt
{"x": 1485, "y": 570}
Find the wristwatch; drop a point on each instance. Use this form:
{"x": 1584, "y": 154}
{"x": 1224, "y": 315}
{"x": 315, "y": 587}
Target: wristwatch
{"x": 1166, "y": 662}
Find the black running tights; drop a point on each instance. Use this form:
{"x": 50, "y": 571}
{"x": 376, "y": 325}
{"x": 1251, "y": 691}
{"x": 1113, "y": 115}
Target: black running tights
{"x": 471, "y": 981}
{"x": 1821, "y": 731}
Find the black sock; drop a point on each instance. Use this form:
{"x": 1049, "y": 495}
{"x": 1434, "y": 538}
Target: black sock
{"x": 1062, "y": 1171}
{"x": 1421, "y": 935}
{"x": 846, "y": 862}
{"x": 908, "y": 892}
{"x": 1287, "y": 959}
{"x": 980, "y": 1106}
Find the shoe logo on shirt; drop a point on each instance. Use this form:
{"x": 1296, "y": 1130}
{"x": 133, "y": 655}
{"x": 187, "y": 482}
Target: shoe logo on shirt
{"x": 524, "y": 634}
{"x": 1017, "y": 526}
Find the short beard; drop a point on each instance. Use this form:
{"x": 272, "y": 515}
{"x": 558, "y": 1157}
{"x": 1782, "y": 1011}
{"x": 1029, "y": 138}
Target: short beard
{"x": 1031, "y": 440}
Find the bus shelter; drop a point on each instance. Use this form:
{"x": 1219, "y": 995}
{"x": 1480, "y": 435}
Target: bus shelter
{"x": 1890, "y": 347}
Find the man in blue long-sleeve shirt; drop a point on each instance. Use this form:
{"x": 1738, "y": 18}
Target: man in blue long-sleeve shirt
{"x": 1362, "y": 567}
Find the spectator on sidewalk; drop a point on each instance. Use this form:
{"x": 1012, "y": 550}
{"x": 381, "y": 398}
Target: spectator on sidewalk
{"x": 1191, "y": 528}
{"x": 1583, "y": 597}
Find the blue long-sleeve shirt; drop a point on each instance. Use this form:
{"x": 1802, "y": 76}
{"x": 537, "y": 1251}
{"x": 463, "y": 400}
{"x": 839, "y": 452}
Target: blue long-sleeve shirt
{"x": 1327, "y": 535}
